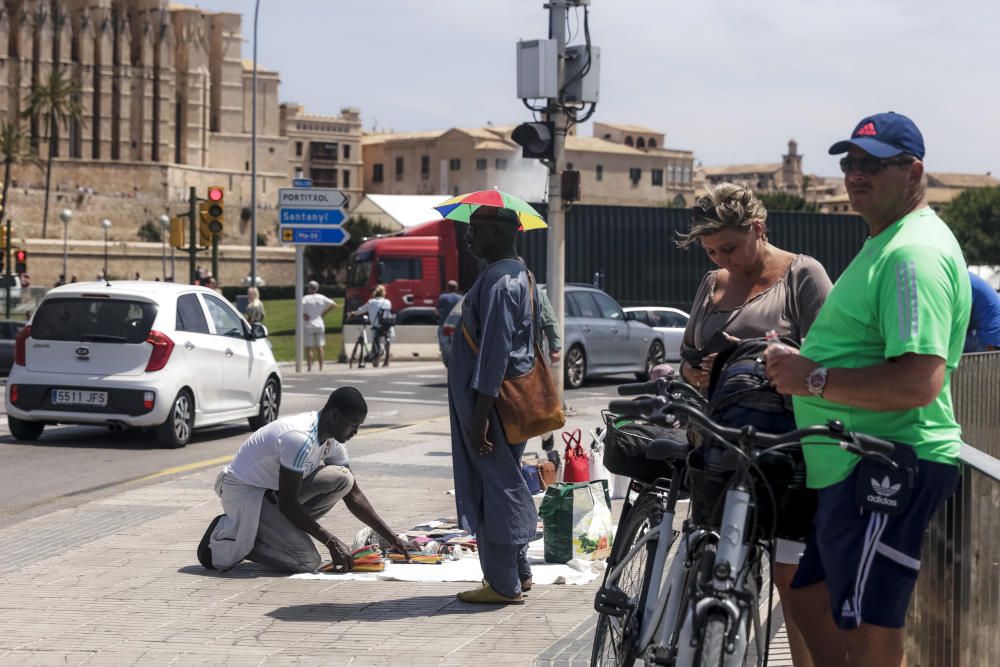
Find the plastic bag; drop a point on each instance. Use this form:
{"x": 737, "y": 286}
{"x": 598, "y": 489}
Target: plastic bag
{"x": 576, "y": 520}
{"x": 597, "y": 469}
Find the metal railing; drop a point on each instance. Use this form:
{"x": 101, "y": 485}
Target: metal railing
{"x": 954, "y": 617}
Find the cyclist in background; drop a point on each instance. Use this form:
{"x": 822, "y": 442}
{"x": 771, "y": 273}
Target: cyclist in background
{"x": 376, "y": 307}
{"x": 879, "y": 357}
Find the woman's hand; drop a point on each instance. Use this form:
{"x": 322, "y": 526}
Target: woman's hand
{"x": 700, "y": 375}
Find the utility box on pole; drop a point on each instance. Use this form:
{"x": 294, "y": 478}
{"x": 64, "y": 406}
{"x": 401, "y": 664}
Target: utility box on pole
{"x": 537, "y": 68}
{"x": 583, "y": 74}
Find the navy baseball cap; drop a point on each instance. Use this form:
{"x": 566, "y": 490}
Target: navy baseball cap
{"x": 884, "y": 135}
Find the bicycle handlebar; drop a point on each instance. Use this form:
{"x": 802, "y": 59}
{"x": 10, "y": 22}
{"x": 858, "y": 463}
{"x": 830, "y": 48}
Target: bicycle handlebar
{"x": 660, "y": 409}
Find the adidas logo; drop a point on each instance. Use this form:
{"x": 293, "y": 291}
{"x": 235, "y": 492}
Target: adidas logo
{"x": 866, "y": 130}
{"x": 885, "y": 488}
{"x": 847, "y": 611}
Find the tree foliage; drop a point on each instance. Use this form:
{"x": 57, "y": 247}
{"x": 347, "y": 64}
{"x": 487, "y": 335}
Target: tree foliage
{"x": 150, "y": 231}
{"x": 325, "y": 261}
{"x": 974, "y": 217}
{"x": 786, "y": 201}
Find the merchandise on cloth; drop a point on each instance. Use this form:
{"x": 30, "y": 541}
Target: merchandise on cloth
{"x": 575, "y": 572}
{"x": 577, "y": 521}
{"x": 577, "y": 468}
{"x": 438, "y": 537}
{"x": 416, "y": 558}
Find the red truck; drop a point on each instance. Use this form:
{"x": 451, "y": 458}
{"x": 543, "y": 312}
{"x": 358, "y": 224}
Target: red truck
{"x": 415, "y": 266}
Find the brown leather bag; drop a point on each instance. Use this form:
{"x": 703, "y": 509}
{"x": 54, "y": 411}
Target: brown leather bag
{"x": 528, "y": 405}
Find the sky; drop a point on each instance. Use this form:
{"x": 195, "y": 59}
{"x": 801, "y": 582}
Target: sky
{"x": 731, "y": 80}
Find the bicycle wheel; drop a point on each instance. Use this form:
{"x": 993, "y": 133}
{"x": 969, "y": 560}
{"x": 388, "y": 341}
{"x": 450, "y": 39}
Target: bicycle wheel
{"x": 713, "y": 642}
{"x": 358, "y": 354}
{"x": 386, "y": 345}
{"x": 615, "y": 638}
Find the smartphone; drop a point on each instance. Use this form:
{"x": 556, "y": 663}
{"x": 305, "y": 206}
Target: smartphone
{"x": 719, "y": 342}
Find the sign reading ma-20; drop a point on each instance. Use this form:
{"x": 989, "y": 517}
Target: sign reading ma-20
{"x": 312, "y": 216}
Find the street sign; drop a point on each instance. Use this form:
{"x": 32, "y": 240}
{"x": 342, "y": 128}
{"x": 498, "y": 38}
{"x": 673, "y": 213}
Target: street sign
{"x": 314, "y": 235}
{"x": 326, "y": 198}
{"x": 312, "y": 216}
{"x": 302, "y": 182}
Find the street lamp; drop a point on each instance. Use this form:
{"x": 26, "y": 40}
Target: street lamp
{"x": 65, "y": 215}
{"x": 253, "y": 155}
{"x": 165, "y": 224}
{"x": 106, "y": 224}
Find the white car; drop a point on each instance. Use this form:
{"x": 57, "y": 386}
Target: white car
{"x": 671, "y": 322}
{"x": 159, "y": 355}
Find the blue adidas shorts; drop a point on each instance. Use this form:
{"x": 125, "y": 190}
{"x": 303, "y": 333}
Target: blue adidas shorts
{"x": 868, "y": 560}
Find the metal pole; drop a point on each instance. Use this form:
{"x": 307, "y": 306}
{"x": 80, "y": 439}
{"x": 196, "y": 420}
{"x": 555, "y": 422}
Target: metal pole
{"x": 7, "y": 266}
{"x": 253, "y": 157}
{"x": 299, "y": 270}
{"x": 556, "y": 250}
{"x": 105, "y": 253}
{"x": 192, "y": 239}
{"x": 215, "y": 256}
{"x": 65, "y": 249}
{"x": 173, "y": 267}
{"x": 163, "y": 254}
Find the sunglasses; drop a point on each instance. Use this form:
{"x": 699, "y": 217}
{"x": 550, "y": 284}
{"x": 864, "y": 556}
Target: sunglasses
{"x": 870, "y": 165}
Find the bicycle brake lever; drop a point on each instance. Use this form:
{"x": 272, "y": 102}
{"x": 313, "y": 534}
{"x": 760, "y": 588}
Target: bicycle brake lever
{"x": 881, "y": 458}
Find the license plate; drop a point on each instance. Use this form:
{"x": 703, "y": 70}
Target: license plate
{"x": 79, "y": 397}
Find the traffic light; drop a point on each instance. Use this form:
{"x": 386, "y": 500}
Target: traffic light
{"x": 177, "y": 232}
{"x": 535, "y": 139}
{"x": 20, "y": 261}
{"x": 215, "y": 210}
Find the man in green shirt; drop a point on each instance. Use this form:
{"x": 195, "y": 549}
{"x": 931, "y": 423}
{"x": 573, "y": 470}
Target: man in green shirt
{"x": 879, "y": 357}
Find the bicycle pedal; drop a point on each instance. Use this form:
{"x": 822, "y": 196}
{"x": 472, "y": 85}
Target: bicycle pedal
{"x": 612, "y": 602}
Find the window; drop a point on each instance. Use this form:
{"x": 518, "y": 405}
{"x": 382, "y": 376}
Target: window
{"x": 679, "y": 201}
{"x": 93, "y": 320}
{"x": 609, "y": 309}
{"x": 667, "y": 318}
{"x": 569, "y": 166}
{"x": 321, "y": 151}
{"x": 347, "y": 151}
{"x": 628, "y": 141}
{"x": 399, "y": 169}
{"x": 227, "y": 322}
{"x": 298, "y": 149}
{"x": 640, "y": 316}
{"x": 686, "y": 177}
{"x": 400, "y": 268}
{"x": 190, "y": 316}
{"x": 501, "y": 163}
{"x": 480, "y": 164}
{"x": 346, "y": 178}
{"x": 652, "y": 143}
{"x": 657, "y": 175}
{"x": 640, "y": 143}
{"x": 425, "y": 166}
{"x": 583, "y": 304}
{"x": 635, "y": 175}
{"x": 323, "y": 178}
{"x": 377, "y": 172}
{"x": 599, "y": 172}
{"x": 454, "y": 164}
{"x": 359, "y": 270}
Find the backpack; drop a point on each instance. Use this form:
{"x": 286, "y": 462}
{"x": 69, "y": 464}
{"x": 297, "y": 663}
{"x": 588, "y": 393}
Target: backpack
{"x": 740, "y": 394}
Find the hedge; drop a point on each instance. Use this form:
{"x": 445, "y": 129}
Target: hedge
{"x": 275, "y": 292}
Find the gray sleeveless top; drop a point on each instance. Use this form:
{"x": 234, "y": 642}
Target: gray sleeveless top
{"x": 789, "y": 307}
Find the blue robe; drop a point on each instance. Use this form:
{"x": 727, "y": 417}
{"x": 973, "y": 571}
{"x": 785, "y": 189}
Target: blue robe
{"x": 491, "y": 496}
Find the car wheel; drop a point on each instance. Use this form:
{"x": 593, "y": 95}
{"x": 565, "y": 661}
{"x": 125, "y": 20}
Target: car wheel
{"x": 175, "y": 432}
{"x": 24, "y": 430}
{"x": 270, "y": 402}
{"x": 654, "y": 358}
{"x": 575, "y": 368}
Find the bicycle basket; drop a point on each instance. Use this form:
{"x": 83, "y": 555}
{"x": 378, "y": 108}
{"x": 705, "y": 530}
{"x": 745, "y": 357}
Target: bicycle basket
{"x": 625, "y": 448}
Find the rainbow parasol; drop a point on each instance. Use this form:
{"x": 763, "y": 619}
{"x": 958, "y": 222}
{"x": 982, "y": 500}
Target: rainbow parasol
{"x": 461, "y": 207}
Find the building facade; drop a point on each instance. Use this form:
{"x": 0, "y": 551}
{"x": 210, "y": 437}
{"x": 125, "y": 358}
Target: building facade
{"x": 326, "y": 149}
{"x": 942, "y": 187}
{"x": 449, "y": 162}
{"x": 763, "y": 178}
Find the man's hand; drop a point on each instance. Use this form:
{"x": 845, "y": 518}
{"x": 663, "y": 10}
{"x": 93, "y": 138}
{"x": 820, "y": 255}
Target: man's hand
{"x": 399, "y": 545}
{"x": 480, "y": 442}
{"x": 788, "y": 371}
{"x": 554, "y": 357}
{"x": 340, "y": 554}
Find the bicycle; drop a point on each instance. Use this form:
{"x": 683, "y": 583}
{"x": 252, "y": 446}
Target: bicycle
{"x": 362, "y": 350}
{"x": 704, "y": 608}
{"x": 378, "y": 350}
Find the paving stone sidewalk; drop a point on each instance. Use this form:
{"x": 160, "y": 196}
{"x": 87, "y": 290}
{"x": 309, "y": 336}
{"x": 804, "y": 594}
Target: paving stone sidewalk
{"x": 115, "y": 581}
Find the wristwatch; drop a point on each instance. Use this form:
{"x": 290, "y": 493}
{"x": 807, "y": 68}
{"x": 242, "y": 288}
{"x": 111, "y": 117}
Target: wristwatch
{"x": 816, "y": 381}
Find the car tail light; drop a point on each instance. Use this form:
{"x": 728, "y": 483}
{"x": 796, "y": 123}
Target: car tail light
{"x": 13, "y": 393}
{"x": 148, "y": 399}
{"x": 162, "y": 347}
{"x": 21, "y": 344}
{"x": 448, "y": 330}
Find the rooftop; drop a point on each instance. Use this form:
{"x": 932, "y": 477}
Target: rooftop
{"x": 952, "y": 180}
{"x": 738, "y": 169}
{"x": 637, "y": 129}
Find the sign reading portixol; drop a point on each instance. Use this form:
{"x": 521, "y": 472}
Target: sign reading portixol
{"x": 311, "y": 198}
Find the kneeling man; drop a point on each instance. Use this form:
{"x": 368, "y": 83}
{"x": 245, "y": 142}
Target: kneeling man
{"x": 285, "y": 477}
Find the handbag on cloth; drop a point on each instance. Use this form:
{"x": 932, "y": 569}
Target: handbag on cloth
{"x": 577, "y": 467}
{"x": 530, "y": 473}
{"x": 528, "y": 404}
{"x": 546, "y": 470}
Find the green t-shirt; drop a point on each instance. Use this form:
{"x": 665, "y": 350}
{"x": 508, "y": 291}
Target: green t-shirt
{"x": 906, "y": 291}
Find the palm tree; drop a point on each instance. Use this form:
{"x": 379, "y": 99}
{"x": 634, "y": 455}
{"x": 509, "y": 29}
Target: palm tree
{"x": 13, "y": 150}
{"x": 56, "y": 99}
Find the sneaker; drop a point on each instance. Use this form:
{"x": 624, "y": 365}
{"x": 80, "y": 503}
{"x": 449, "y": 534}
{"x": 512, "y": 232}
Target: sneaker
{"x": 204, "y": 550}
{"x": 486, "y": 595}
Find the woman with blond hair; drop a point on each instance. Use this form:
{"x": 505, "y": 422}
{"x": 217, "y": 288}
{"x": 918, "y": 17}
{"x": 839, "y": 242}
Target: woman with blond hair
{"x": 756, "y": 288}
{"x": 254, "y": 311}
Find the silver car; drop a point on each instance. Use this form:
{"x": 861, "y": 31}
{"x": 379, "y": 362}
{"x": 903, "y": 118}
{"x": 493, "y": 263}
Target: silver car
{"x": 671, "y": 322}
{"x": 599, "y": 338}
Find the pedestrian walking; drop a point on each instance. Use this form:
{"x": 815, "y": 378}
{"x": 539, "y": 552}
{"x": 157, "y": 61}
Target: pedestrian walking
{"x": 491, "y": 496}
{"x": 284, "y": 478}
{"x": 254, "y": 311}
{"x": 448, "y": 300}
{"x": 315, "y": 306}
{"x": 879, "y": 357}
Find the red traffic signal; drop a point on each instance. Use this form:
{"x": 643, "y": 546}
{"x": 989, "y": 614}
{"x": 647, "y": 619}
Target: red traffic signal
{"x": 215, "y": 194}
{"x": 21, "y": 255}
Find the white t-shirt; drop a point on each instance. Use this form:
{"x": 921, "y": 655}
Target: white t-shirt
{"x": 313, "y": 306}
{"x": 289, "y": 442}
{"x": 374, "y": 305}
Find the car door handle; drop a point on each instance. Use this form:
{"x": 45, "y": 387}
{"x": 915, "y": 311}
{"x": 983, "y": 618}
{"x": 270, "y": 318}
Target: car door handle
{"x": 614, "y": 329}
{"x": 189, "y": 345}
{"x": 229, "y": 352}
{"x": 585, "y": 329}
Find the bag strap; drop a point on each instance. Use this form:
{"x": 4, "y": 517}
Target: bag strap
{"x": 531, "y": 300}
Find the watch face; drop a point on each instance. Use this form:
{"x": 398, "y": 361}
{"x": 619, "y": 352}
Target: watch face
{"x": 816, "y": 381}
